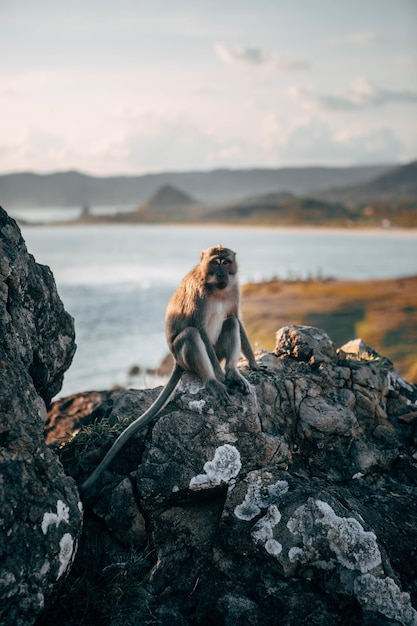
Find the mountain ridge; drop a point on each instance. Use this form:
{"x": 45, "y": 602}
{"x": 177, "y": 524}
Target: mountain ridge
{"x": 73, "y": 188}
{"x": 399, "y": 182}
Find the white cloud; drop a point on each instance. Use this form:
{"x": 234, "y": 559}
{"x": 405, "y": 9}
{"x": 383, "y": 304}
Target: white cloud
{"x": 360, "y": 94}
{"x": 240, "y": 56}
{"x": 365, "y": 38}
{"x": 255, "y": 57}
{"x": 314, "y": 141}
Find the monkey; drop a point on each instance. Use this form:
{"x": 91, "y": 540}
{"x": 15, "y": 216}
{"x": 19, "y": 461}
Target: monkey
{"x": 203, "y": 329}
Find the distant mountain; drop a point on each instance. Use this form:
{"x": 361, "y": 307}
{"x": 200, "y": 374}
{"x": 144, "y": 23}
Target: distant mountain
{"x": 398, "y": 183}
{"x": 77, "y": 189}
{"x": 168, "y": 197}
{"x": 169, "y": 202}
{"x": 283, "y": 209}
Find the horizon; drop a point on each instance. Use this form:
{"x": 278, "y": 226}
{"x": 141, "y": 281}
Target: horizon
{"x": 144, "y": 88}
{"x": 208, "y": 170}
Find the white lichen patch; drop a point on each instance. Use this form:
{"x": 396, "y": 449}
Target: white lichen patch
{"x": 41, "y": 408}
{"x": 45, "y": 568}
{"x": 322, "y": 531}
{"x": 354, "y": 547}
{"x": 196, "y": 405}
{"x": 384, "y": 595}
{"x": 61, "y": 515}
{"x": 66, "y": 549}
{"x": 295, "y": 554}
{"x": 222, "y": 469}
{"x": 260, "y": 495}
{"x": 263, "y": 531}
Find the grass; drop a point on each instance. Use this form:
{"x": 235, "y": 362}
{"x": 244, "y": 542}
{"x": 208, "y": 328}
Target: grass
{"x": 75, "y": 453}
{"x": 105, "y": 586}
{"x": 382, "y": 312}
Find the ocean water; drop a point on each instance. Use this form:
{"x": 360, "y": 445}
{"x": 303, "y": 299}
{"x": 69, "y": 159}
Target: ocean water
{"x": 116, "y": 280}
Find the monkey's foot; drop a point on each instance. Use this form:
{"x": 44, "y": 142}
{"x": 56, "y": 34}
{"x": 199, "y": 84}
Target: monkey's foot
{"x": 236, "y": 382}
{"x": 219, "y": 390}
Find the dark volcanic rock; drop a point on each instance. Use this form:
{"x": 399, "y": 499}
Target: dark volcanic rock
{"x": 40, "y": 512}
{"x": 36, "y": 329}
{"x": 294, "y": 505}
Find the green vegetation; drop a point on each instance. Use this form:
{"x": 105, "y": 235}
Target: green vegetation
{"x": 107, "y": 583}
{"x": 105, "y": 586}
{"x": 383, "y": 313}
{"x": 75, "y": 454}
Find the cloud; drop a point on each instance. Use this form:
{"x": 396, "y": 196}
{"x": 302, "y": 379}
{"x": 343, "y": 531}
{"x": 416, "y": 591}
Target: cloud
{"x": 255, "y": 57}
{"x": 241, "y": 56}
{"x": 360, "y": 94}
{"x": 365, "y": 38}
{"x": 313, "y": 141}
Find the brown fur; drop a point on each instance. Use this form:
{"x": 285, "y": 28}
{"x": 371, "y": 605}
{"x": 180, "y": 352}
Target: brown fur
{"x": 203, "y": 328}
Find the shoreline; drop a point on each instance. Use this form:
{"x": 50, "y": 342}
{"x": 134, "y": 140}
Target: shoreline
{"x": 322, "y": 230}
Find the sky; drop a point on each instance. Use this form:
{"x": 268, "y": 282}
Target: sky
{"x": 135, "y": 86}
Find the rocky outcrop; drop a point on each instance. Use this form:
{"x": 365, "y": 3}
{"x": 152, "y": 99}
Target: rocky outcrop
{"x": 294, "y": 505}
{"x": 40, "y": 512}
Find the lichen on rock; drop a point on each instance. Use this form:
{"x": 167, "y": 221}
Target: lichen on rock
{"x": 287, "y": 500}
{"x": 224, "y": 467}
{"x": 294, "y": 504}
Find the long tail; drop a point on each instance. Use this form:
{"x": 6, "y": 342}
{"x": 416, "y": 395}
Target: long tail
{"x": 139, "y": 423}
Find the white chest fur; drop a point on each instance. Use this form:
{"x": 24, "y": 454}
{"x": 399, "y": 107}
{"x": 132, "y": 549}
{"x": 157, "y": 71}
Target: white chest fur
{"x": 217, "y": 311}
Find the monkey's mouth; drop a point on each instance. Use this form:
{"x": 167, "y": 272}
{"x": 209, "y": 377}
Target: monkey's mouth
{"x": 222, "y": 285}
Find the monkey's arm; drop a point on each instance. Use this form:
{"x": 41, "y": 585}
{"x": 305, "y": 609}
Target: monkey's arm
{"x": 246, "y": 347}
{"x": 139, "y": 423}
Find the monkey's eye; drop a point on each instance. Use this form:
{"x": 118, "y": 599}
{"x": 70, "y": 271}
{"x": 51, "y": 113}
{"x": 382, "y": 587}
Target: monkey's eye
{"x": 226, "y": 261}
{"x": 216, "y": 261}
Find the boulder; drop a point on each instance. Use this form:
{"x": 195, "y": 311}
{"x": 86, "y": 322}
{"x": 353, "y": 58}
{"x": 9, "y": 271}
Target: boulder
{"x": 40, "y": 510}
{"x": 295, "y": 504}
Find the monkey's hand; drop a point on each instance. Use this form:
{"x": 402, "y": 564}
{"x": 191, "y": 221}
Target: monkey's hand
{"x": 219, "y": 390}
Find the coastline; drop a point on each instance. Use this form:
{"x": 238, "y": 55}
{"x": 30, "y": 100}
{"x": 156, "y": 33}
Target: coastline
{"x": 307, "y": 228}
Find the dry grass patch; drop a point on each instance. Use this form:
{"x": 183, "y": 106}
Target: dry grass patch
{"x": 382, "y": 312}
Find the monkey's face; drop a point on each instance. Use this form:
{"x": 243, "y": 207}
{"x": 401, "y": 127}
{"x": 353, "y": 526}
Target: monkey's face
{"x": 220, "y": 266}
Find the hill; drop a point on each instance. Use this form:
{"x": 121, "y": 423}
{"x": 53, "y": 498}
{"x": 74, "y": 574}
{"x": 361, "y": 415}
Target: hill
{"x": 282, "y": 208}
{"x": 168, "y": 203}
{"x": 389, "y": 199}
{"x": 167, "y": 197}
{"x": 398, "y": 183}
{"x": 76, "y": 189}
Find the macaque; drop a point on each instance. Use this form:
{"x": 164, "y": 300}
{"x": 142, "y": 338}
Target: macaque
{"x": 203, "y": 330}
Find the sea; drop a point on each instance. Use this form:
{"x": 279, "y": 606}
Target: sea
{"x": 116, "y": 280}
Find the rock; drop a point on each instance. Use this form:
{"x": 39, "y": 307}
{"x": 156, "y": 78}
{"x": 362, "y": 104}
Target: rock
{"x": 68, "y": 415}
{"x": 305, "y": 343}
{"x": 359, "y": 349}
{"x": 40, "y": 511}
{"x": 35, "y": 325}
{"x": 295, "y": 504}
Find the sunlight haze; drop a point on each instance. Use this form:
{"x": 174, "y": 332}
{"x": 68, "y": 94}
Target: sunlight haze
{"x": 132, "y": 87}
